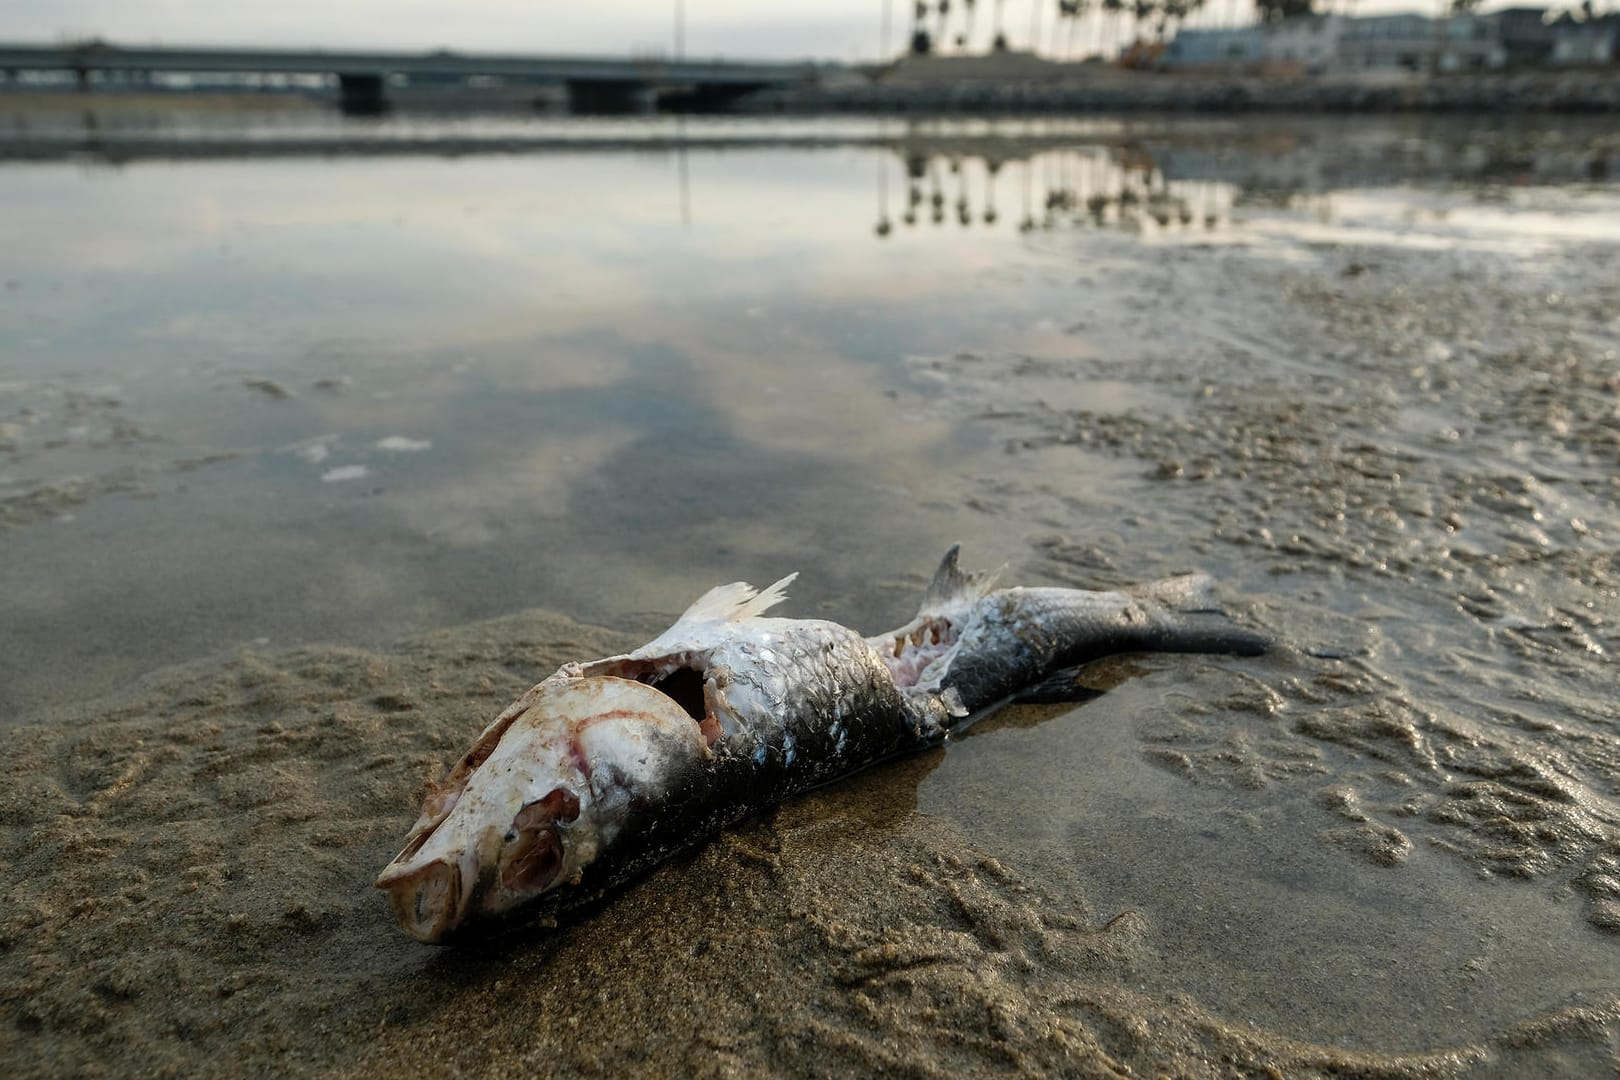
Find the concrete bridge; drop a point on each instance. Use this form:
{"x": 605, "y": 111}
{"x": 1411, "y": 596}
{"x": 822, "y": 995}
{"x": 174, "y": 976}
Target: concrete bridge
{"x": 364, "y": 78}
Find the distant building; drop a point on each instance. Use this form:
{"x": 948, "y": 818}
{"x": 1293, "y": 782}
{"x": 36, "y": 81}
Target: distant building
{"x": 1471, "y": 43}
{"x": 1525, "y": 34}
{"x": 1240, "y": 47}
{"x": 1590, "y": 41}
{"x": 1515, "y": 37}
{"x": 1387, "y": 43}
{"x": 1309, "y": 44}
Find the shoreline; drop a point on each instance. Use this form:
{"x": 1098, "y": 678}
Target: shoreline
{"x": 1561, "y": 92}
{"x": 965, "y": 89}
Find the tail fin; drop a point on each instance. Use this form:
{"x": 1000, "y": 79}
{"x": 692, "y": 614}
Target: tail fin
{"x": 1193, "y": 620}
{"x": 1202, "y": 631}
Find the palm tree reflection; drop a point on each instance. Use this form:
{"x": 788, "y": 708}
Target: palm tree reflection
{"x": 916, "y": 168}
{"x": 1027, "y": 224}
{"x": 964, "y": 212}
{"x": 1119, "y": 186}
{"x": 884, "y": 227}
{"x": 992, "y": 169}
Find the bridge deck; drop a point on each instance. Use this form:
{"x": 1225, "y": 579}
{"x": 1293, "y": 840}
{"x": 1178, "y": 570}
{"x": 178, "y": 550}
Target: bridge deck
{"x": 440, "y": 64}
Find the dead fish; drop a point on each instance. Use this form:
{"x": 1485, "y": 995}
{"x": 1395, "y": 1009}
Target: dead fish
{"x": 606, "y": 768}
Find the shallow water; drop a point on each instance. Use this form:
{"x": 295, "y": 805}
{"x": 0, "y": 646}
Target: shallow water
{"x": 1365, "y": 373}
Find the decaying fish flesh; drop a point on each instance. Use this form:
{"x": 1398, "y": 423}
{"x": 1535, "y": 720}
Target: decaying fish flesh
{"x": 608, "y": 767}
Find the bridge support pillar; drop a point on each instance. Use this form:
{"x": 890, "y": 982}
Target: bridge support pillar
{"x": 361, "y": 95}
{"x": 614, "y": 98}
{"x": 705, "y": 97}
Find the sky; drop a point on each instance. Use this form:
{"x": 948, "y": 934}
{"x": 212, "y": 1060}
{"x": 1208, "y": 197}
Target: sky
{"x": 824, "y": 29}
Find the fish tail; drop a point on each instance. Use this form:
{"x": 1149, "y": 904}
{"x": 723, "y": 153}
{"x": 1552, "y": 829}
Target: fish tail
{"x": 1190, "y": 619}
{"x": 1201, "y": 631}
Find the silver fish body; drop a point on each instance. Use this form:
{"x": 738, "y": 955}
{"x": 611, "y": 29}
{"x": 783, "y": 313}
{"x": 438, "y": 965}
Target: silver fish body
{"x": 606, "y": 768}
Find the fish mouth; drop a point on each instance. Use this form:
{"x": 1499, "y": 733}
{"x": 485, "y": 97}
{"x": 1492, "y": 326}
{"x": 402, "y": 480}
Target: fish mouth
{"x": 426, "y": 899}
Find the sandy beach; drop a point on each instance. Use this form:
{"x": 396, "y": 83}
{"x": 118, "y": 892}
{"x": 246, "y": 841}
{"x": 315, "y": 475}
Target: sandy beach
{"x": 1384, "y": 418}
{"x": 190, "y": 869}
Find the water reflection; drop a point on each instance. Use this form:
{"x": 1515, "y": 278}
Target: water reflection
{"x": 659, "y": 343}
{"x": 1100, "y": 186}
{"x": 1302, "y": 153}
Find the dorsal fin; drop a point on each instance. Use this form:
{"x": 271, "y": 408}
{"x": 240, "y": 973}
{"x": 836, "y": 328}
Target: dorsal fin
{"x": 735, "y": 602}
{"x": 951, "y": 585}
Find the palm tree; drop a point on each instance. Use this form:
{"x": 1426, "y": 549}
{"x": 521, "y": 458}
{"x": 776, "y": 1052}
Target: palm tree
{"x": 1141, "y": 12}
{"x": 1114, "y": 8}
{"x": 921, "y": 43}
{"x": 1069, "y": 12}
{"x": 999, "y": 42}
{"x": 944, "y": 16}
{"x": 1035, "y": 26}
{"x": 967, "y": 31}
{"x": 1174, "y": 13}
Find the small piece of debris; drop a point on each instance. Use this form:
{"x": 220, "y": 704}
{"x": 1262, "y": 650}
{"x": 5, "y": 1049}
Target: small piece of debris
{"x": 268, "y": 387}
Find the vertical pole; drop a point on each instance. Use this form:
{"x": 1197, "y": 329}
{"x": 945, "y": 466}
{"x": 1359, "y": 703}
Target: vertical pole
{"x": 883, "y": 34}
{"x": 685, "y": 181}
{"x": 680, "y": 30}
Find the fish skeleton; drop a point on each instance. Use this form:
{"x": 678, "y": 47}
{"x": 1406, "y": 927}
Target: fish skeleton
{"x": 606, "y": 768}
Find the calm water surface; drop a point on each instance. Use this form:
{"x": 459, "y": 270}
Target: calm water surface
{"x": 348, "y": 398}
{"x": 339, "y": 397}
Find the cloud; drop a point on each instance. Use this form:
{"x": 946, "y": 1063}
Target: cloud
{"x": 824, "y": 29}
{"x": 830, "y": 28}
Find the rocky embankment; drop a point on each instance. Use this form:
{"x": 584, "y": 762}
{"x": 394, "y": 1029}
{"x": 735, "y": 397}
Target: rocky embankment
{"x": 1024, "y": 85}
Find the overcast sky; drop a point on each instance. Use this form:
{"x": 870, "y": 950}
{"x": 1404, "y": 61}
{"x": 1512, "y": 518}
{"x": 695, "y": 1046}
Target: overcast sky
{"x": 831, "y": 29}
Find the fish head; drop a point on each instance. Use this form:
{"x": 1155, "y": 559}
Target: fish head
{"x": 549, "y": 790}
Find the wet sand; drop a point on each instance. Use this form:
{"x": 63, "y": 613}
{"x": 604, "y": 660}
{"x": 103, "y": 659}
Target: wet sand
{"x": 189, "y": 868}
{"x": 1391, "y": 849}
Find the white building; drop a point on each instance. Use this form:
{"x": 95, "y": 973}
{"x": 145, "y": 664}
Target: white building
{"x": 1238, "y": 47}
{"x": 1310, "y": 43}
{"x": 1517, "y": 37}
{"x": 1417, "y": 43}
{"x": 1594, "y": 41}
